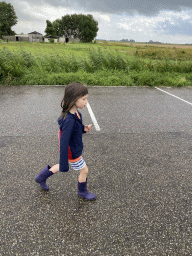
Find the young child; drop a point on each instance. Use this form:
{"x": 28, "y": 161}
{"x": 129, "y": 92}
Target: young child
{"x": 70, "y": 139}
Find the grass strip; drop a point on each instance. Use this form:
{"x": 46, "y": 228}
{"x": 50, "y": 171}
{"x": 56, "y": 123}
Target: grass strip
{"x": 100, "y": 67}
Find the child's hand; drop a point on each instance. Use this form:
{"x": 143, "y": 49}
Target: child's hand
{"x": 87, "y": 128}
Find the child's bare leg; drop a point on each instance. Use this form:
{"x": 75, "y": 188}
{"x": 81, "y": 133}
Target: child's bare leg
{"x": 83, "y": 174}
{"x": 54, "y": 168}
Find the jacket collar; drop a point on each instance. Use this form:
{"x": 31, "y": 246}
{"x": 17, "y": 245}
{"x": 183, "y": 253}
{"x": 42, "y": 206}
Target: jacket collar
{"x": 75, "y": 116}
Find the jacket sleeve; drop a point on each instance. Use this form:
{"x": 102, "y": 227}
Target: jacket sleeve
{"x": 83, "y": 127}
{"x": 67, "y": 130}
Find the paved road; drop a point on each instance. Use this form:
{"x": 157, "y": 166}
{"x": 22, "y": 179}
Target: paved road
{"x": 139, "y": 167}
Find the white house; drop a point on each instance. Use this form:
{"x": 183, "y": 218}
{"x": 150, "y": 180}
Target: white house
{"x": 47, "y": 38}
{"x": 38, "y": 37}
{"x": 61, "y": 39}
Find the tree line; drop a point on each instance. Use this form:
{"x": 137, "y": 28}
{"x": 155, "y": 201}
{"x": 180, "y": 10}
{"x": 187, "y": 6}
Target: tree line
{"x": 83, "y": 27}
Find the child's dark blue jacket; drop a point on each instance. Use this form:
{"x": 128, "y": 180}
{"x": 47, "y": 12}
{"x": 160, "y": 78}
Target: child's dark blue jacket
{"x": 71, "y": 136}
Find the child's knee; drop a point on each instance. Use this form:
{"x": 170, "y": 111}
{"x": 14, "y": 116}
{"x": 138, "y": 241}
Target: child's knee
{"x": 84, "y": 170}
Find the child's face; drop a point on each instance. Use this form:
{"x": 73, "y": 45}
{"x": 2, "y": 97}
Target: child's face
{"x": 81, "y": 102}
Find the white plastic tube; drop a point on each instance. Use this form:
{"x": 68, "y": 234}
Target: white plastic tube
{"x": 93, "y": 117}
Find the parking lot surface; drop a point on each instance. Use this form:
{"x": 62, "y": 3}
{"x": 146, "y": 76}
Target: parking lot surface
{"x": 139, "y": 167}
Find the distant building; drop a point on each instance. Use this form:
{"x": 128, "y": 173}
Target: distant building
{"x": 61, "y": 39}
{"x": 16, "y": 38}
{"x": 30, "y": 37}
{"x": 22, "y": 38}
{"x": 47, "y": 38}
{"x": 38, "y": 37}
{"x": 35, "y": 37}
{"x": 68, "y": 40}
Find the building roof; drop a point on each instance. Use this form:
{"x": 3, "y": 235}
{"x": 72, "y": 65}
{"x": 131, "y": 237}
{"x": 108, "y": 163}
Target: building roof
{"x": 22, "y": 35}
{"x": 35, "y": 32}
{"x": 49, "y": 36}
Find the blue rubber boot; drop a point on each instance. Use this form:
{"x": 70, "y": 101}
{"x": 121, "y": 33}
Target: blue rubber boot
{"x": 42, "y": 176}
{"x": 83, "y": 192}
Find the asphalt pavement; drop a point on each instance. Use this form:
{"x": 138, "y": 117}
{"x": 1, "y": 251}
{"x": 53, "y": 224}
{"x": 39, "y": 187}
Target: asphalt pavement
{"x": 140, "y": 167}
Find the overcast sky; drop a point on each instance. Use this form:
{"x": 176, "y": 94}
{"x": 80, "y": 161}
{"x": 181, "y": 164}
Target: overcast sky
{"x": 167, "y": 21}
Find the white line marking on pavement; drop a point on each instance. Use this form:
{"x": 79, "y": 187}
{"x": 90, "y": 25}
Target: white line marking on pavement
{"x": 93, "y": 117}
{"x": 174, "y": 96}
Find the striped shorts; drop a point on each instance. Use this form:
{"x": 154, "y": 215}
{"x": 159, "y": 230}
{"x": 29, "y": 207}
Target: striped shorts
{"x": 78, "y": 165}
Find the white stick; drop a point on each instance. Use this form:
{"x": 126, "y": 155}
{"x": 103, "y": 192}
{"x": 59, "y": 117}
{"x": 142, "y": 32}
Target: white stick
{"x": 93, "y": 118}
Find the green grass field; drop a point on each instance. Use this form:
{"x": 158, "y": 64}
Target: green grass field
{"x": 104, "y": 64}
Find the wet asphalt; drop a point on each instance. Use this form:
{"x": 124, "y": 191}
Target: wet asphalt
{"x": 140, "y": 167}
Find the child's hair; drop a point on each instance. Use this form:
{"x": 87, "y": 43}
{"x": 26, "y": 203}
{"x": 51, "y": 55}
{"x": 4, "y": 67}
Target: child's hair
{"x": 73, "y": 92}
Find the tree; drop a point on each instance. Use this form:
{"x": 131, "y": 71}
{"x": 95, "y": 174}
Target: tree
{"x": 50, "y": 30}
{"x": 56, "y": 27}
{"x": 8, "y": 19}
{"x": 77, "y": 26}
{"x": 67, "y": 25}
{"x": 88, "y": 28}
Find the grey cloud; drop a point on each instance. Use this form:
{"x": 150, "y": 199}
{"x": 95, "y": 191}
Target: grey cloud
{"x": 180, "y": 27}
{"x": 21, "y": 10}
{"x": 146, "y": 7}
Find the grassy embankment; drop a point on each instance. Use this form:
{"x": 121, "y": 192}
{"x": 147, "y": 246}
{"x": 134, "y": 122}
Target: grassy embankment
{"x": 107, "y": 64}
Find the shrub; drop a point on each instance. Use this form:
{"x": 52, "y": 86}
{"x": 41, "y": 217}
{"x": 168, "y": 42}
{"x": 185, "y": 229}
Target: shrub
{"x": 10, "y": 64}
{"x": 51, "y": 40}
{"x": 102, "y": 60}
{"x": 27, "y": 59}
{"x": 146, "y": 78}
